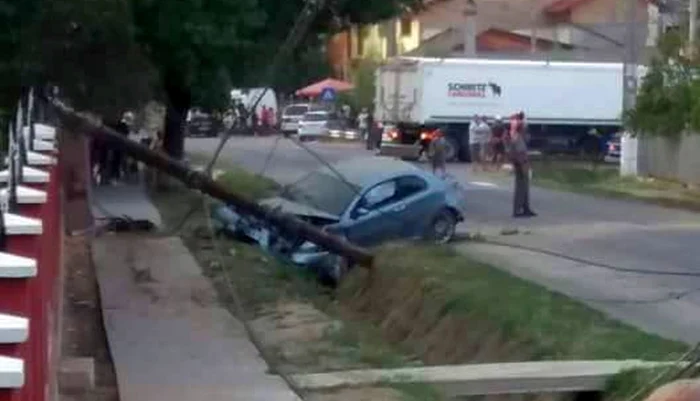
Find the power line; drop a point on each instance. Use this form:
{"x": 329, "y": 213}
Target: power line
{"x": 670, "y": 296}
{"x": 652, "y": 272}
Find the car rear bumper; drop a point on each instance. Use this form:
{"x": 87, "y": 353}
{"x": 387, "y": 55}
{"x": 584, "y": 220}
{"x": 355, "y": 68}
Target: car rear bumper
{"x": 399, "y": 150}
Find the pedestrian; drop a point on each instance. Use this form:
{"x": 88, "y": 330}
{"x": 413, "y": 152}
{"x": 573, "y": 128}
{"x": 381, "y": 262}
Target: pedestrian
{"x": 517, "y": 149}
{"x": 254, "y": 122}
{"x": 498, "y": 150}
{"x": 118, "y": 167}
{"x": 438, "y": 153}
{"x": 99, "y": 158}
{"x": 479, "y": 133}
{"x": 265, "y": 120}
{"x": 363, "y": 125}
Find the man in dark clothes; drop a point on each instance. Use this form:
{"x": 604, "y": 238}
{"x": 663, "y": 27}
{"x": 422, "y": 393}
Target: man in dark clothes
{"x": 521, "y": 167}
{"x": 118, "y": 161}
{"x": 99, "y": 160}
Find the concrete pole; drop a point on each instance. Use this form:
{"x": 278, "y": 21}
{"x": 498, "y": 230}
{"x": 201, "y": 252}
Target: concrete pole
{"x": 470, "y": 29}
{"x": 630, "y": 57}
{"x": 534, "y": 11}
{"x": 692, "y": 24}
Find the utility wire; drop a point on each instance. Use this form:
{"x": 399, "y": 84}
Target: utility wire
{"x": 652, "y": 272}
{"x": 670, "y": 296}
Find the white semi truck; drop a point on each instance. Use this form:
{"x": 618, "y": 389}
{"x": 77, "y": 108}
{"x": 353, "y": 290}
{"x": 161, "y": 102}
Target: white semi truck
{"x": 561, "y": 100}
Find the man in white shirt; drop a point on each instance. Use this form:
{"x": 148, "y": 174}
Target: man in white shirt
{"x": 479, "y": 132}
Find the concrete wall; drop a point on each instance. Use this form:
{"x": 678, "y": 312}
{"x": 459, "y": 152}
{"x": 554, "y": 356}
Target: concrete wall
{"x": 671, "y": 159}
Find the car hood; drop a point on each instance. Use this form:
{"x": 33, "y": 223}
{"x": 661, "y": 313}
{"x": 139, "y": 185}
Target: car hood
{"x": 297, "y": 209}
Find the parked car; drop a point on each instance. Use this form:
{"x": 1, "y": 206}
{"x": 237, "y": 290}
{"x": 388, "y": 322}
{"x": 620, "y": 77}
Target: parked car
{"x": 291, "y": 116}
{"x": 613, "y": 152}
{"x": 366, "y": 200}
{"x": 316, "y": 124}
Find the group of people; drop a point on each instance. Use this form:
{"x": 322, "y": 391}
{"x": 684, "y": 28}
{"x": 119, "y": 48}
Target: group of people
{"x": 259, "y": 122}
{"x": 109, "y": 164}
{"x": 496, "y": 143}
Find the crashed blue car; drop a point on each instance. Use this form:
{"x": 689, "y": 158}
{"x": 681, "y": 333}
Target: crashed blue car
{"x": 368, "y": 201}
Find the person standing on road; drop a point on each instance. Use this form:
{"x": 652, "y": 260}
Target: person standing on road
{"x": 438, "y": 153}
{"x": 474, "y": 143}
{"x": 363, "y": 125}
{"x": 479, "y": 133}
{"x": 521, "y": 167}
{"x": 498, "y": 150}
{"x": 118, "y": 163}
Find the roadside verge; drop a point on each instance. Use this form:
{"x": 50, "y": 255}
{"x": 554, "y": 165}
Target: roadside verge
{"x": 422, "y": 305}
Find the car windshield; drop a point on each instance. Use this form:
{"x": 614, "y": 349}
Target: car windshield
{"x": 295, "y": 110}
{"x": 316, "y": 117}
{"x": 322, "y": 191}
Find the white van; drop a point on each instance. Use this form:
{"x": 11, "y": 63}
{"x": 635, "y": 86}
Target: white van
{"x": 291, "y": 115}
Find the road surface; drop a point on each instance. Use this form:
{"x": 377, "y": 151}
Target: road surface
{"x": 590, "y": 230}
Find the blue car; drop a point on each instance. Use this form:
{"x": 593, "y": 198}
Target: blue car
{"x": 368, "y": 201}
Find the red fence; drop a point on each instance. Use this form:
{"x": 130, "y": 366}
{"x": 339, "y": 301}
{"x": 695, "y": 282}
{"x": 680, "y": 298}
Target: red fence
{"x": 30, "y": 279}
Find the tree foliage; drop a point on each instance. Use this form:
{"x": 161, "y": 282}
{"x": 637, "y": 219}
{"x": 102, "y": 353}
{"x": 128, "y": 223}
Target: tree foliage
{"x": 107, "y": 55}
{"x": 88, "y": 48}
{"x": 668, "y": 103}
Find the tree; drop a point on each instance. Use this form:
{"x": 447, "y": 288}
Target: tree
{"x": 201, "y": 48}
{"x": 195, "y": 46}
{"x": 88, "y": 49}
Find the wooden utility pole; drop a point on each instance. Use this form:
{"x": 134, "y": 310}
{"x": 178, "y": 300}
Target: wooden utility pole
{"x": 204, "y": 183}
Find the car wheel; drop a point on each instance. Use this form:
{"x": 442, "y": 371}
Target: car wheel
{"x": 442, "y": 228}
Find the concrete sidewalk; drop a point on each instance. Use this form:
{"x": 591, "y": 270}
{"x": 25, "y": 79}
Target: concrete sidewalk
{"x": 123, "y": 201}
{"x": 169, "y": 338}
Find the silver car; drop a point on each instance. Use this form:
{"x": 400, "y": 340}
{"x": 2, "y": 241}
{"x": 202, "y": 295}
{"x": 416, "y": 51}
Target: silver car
{"x": 291, "y": 116}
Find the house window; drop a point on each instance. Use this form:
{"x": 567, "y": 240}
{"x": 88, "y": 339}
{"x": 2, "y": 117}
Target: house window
{"x": 406, "y": 26}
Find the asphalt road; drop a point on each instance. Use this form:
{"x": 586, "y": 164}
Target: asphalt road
{"x": 626, "y": 235}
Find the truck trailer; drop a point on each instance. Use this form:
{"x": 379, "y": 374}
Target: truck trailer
{"x": 561, "y": 101}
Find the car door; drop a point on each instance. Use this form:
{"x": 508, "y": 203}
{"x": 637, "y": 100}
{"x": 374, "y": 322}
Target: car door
{"x": 369, "y": 221}
{"x": 416, "y": 205}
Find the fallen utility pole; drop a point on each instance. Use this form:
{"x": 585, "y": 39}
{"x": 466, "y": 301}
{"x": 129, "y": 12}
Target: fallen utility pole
{"x": 205, "y": 184}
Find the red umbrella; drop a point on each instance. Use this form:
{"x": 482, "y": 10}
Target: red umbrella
{"x": 315, "y": 89}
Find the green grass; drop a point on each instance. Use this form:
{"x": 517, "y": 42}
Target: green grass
{"x": 251, "y": 185}
{"x": 605, "y": 180}
{"x": 547, "y": 324}
{"x": 417, "y": 392}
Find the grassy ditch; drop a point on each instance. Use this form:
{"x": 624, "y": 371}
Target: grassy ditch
{"x": 420, "y": 305}
{"x": 297, "y": 321}
{"x": 605, "y": 180}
